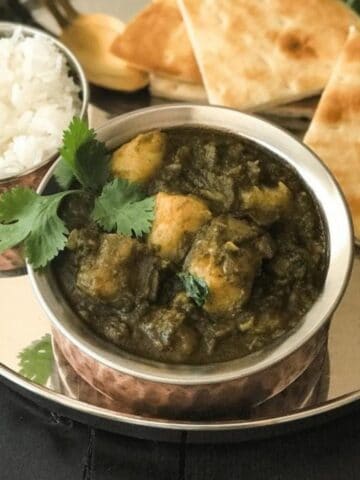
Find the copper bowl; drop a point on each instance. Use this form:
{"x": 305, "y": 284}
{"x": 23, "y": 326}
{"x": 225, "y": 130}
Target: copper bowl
{"x": 308, "y": 387}
{"x": 183, "y": 391}
{"x": 11, "y": 261}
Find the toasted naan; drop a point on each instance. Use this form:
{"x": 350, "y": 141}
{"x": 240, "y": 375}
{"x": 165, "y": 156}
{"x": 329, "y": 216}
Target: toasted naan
{"x": 334, "y": 133}
{"x": 108, "y": 70}
{"x": 254, "y": 54}
{"x": 292, "y": 114}
{"x": 156, "y": 40}
{"x": 173, "y": 89}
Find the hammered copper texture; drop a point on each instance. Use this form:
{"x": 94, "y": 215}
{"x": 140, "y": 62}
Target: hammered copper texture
{"x": 149, "y": 398}
{"x": 304, "y": 392}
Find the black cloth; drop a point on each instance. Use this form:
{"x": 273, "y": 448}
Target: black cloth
{"x": 37, "y": 444}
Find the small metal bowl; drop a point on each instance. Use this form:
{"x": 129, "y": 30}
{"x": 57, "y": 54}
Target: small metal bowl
{"x": 183, "y": 391}
{"x": 11, "y": 261}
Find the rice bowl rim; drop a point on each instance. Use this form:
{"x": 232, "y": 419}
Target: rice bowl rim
{"x": 6, "y": 29}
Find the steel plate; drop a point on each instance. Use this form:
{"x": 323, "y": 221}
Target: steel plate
{"x": 330, "y": 387}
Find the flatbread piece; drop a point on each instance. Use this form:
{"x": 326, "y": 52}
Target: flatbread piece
{"x": 334, "y": 133}
{"x": 173, "y": 89}
{"x": 254, "y": 54}
{"x": 107, "y": 70}
{"x": 156, "y": 40}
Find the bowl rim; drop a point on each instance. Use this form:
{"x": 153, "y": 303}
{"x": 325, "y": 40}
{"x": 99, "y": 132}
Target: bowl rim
{"x": 340, "y": 246}
{"x": 11, "y": 27}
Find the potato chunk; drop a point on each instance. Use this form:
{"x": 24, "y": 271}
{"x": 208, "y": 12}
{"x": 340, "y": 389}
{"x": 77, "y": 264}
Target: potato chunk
{"x": 119, "y": 270}
{"x": 101, "y": 274}
{"x": 139, "y": 159}
{"x": 266, "y": 205}
{"x": 177, "y": 219}
{"x": 166, "y": 330}
{"x": 227, "y": 255}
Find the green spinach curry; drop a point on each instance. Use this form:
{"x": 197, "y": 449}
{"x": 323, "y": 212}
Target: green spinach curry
{"x": 235, "y": 257}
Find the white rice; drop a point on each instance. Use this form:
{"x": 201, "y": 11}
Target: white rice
{"x": 38, "y": 99}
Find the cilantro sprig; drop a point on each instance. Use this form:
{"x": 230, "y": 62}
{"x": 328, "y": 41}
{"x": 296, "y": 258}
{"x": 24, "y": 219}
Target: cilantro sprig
{"x": 195, "y": 287}
{"x": 31, "y": 220}
{"x": 36, "y": 360}
{"x": 82, "y": 157}
{"x": 123, "y": 207}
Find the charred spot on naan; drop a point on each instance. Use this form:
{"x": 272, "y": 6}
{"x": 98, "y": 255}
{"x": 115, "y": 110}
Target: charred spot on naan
{"x": 295, "y": 45}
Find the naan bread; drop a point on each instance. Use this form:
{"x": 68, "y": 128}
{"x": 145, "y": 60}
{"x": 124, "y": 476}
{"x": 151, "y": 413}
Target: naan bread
{"x": 254, "y": 54}
{"x": 107, "y": 70}
{"x": 173, "y": 89}
{"x": 156, "y": 40}
{"x": 334, "y": 133}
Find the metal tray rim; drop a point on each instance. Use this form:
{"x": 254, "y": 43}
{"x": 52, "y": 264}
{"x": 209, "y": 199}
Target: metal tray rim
{"x": 161, "y": 424}
{"x": 300, "y": 417}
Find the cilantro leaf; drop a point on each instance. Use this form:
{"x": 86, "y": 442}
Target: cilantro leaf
{"x": 32, "y": 219}
{"x": 123, "y": 208}
{"x": 63, "y": 174}
{"x": 16, "y": 204}
{"x": 48, "y": 234}
{"x": 36, "y": 361}
{"x": 195, "y": 287}
{"x": 76, "y": 135}
{"x": 82, "y": 157}
{"x": 92, "y": 165}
